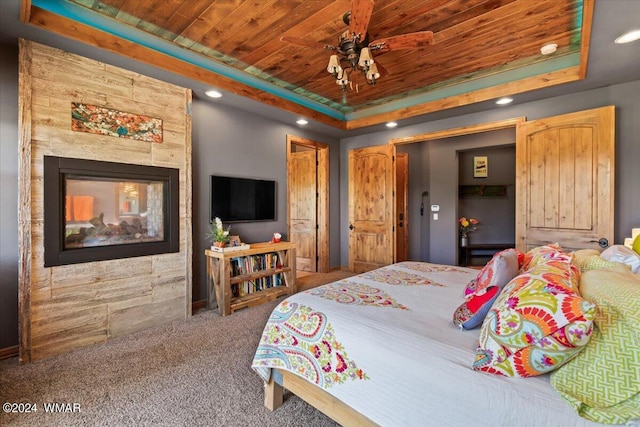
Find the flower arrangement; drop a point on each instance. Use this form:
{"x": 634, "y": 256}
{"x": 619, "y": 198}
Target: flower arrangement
{"x": 467, "y": 225}
{"x": 217, "y": 233}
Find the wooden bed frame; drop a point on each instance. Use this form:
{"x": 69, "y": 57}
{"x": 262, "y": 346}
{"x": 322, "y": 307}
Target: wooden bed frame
{"x": 313, "y": 395}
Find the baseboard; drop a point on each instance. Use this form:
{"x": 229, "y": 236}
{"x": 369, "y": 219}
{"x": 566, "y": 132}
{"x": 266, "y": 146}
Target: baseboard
{"x": 8, "y": 352}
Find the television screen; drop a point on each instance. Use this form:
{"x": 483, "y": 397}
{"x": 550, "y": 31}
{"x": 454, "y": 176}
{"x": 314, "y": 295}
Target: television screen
{"x": 242, "y": 199}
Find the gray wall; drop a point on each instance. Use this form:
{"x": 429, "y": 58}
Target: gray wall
{"x": 231, "y": 142}
{"x": 442, "y": 161}
{"x": 8, "y": 195}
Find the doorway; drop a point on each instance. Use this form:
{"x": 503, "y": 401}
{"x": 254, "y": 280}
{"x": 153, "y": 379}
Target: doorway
{"x": 402, "y": 207}
{"x": 486, "y": 193}
{"x": 308, "y": 202}
{"x": 434, "y": 186}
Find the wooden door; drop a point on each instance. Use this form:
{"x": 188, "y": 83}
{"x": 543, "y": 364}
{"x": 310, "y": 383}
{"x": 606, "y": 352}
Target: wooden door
{"x": 371, "y": 216}
{"x": 402, "y": 220}
{"x": 303, "y": 222}
{"x": 565, "y": 180}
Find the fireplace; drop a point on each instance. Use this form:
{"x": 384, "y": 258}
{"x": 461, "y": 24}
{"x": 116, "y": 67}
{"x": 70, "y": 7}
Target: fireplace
{"x": 96, "y": 210}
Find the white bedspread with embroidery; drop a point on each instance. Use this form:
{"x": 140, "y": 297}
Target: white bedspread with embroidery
{"x": 383, "y": 343}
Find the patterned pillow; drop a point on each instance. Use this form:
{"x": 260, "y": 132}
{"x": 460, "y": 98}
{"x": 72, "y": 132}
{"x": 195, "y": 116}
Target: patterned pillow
{"x": 542, "y": 254}
{"x": 594, "y": 262}
{"x": 601, "y": 383}
{"x": 473, "y": 311}
{"x": 537, "y": 323}
{"x": 498, "y": 272}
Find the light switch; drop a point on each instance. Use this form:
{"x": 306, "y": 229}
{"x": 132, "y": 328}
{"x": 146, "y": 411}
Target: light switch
{"x": 435, "y": 216}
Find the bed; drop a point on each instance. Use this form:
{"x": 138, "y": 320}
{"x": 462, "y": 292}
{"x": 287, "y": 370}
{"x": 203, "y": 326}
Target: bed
{"x": 381, "y": 348}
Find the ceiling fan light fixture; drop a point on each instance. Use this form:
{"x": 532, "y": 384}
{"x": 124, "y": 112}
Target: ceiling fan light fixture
{"x": 334, "y": 65}
{"x": 504, "y": 101}
{"x": 342, "y": 78}
{"x": 628, "y": 37}
{"x": 372, "y": 74}
{"x": 366, "y": 59}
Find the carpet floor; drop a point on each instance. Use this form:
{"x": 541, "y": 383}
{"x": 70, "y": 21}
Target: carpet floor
{"x": 195, "y": 372}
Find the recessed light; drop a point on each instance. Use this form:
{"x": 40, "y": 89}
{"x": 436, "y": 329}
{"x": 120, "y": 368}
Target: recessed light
{"x": 628, "y": 37}
{"x": 504, "y": 101}
{"x": 302, "y": 122}
{"x": 548, "y": 49}
{"x": 213, "y": 94}
{"x": 392, "y": 124}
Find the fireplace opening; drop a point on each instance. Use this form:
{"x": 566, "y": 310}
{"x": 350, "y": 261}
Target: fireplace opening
{"x": 98, "y": 210}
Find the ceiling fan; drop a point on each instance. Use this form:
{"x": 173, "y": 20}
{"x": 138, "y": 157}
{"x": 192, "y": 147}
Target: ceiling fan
{"x": 353, "y": 52}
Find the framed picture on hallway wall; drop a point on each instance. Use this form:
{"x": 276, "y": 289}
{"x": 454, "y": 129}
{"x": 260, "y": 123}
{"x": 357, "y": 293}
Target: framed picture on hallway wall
{"x": 480, "y": 167}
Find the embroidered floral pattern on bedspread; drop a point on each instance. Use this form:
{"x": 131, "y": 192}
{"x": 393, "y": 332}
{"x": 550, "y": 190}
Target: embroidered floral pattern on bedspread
{"x": 430, "y": 268}
{"x": 300, "y": 340}
{"x": 346, "y": 292}
{"x": 398, "y": 277}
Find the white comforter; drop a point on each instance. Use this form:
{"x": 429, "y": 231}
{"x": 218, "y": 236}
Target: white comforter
{"x": 383, "y": 343}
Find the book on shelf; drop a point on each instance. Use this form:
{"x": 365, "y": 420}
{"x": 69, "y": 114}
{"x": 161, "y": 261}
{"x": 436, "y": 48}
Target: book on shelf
{"x": 246, "y": 265}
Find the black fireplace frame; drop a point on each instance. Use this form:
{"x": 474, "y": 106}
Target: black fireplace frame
{"x": 55, "y": 170}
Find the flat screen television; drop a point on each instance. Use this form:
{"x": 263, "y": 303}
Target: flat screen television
{"x": 242, "y": 199}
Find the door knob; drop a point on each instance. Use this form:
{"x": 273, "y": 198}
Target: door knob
{"x": 351, "y": 227}
{"x": 603, "y": 242}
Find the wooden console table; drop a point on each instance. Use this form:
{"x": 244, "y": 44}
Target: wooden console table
{"x": 220, "y": 278}
{"x": 472, "y": 251}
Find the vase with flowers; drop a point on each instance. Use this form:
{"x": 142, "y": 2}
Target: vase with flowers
{"x": 467, "y": 225}
{"x": 218, "y": 234}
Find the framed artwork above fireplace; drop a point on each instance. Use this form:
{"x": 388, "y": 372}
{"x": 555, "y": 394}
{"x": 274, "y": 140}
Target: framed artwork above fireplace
{"x": 95, "y": 210}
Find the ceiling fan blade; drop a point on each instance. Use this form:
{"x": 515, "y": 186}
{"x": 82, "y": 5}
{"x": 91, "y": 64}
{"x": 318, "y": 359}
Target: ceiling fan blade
{"x": 382, "y": 70}
{"x": 361, "y": 11}
{"x": 307, "y": 43}
{"x": 403, "y": 41}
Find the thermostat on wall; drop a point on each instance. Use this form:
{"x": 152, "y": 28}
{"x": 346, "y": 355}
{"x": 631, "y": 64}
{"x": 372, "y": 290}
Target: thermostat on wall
{"x": 435, "y": 208}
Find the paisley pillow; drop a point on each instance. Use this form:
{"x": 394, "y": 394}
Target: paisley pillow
{"x": 542, "y": 254}
{"x": 538, "y": 323}
{"x": 498, "y": 272}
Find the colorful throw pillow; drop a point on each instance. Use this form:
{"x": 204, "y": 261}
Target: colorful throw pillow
{"x": 537, "y": 323}
{"x": 473, "y": 311}
{"x": 602, "y": 383}
{"x": 542, "y": 254}
{"x": 498, "y": 272}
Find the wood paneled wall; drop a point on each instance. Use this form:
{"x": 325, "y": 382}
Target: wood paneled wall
{"x": 66, "y": 307}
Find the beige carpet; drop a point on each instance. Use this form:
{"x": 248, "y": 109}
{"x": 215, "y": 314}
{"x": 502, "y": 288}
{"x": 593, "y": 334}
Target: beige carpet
{"x": 190, "y": 373}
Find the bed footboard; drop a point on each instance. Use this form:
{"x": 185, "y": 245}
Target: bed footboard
{"x": 313, "y": 395}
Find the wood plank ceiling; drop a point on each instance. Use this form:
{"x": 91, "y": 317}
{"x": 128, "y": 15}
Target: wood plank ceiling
{"x": 481, "y": 49}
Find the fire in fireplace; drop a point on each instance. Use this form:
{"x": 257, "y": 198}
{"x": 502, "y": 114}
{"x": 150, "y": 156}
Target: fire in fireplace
{"x": 102, "y": 210}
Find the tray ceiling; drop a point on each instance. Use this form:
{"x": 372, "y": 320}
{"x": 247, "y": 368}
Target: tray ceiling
{"x": 482, "y": 49}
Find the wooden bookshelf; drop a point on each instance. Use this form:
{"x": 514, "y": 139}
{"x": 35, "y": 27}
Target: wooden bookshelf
{"x": 220, "y": 276}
